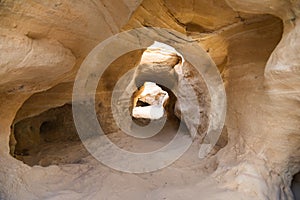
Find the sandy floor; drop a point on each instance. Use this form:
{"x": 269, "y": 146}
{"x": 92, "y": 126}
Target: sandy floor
{"x": 72, "y": 173}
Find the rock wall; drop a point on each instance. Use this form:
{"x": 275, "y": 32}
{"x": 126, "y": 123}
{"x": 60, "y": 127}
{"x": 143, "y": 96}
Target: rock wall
{"x": 273, "y": 142}
{"x": 254, "y": 44}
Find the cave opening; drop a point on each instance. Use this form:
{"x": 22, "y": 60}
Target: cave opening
{"x": 44, "y": 138}
{"x": 149, "y": 101}
{"x": 153, "y": 101}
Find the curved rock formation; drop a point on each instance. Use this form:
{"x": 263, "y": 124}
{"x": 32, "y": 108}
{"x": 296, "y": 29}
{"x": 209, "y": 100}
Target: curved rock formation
{"x": 255, "y": 45}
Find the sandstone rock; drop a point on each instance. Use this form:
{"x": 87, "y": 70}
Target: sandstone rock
{"x": 255, "y": 44}
{"x": 153, "y": 95}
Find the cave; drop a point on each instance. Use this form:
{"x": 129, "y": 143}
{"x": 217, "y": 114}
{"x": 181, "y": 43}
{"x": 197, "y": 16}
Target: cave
{"x": 49, "y": 137}
{"x": 149, "y": 99}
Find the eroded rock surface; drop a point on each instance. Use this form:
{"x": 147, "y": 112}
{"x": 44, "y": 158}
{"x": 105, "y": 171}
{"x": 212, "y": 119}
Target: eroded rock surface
{"x": 254, "y": 43}
{"x": 152, "y": 95}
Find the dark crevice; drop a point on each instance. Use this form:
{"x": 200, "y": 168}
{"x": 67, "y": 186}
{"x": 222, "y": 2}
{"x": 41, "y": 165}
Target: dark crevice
{"x": 296, "y": 186}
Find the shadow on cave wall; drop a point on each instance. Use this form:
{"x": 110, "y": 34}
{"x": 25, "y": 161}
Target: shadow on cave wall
{"x": 42, "y": 139}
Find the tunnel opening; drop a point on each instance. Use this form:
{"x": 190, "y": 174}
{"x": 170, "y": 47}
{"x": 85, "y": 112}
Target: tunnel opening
{"x": 149, "y": 101}
{"x": 160, "y": 97}
{"x": 162, "y": 137}
{"x": 162, "y": 66}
